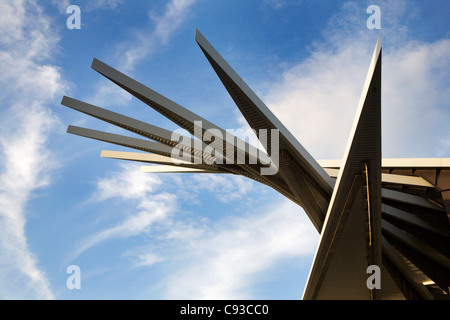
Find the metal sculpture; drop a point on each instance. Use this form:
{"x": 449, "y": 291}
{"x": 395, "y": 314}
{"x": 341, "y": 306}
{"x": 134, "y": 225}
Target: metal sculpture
{"x": 389, "y": 213}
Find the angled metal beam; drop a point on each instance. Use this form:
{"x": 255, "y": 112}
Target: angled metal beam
{"x": 144, "y": 129}
{"x": 171, "y": 169}
{"x": 140, "y": 157}
{"x": 347, "y": 210}
{"x": 139, "y": 144}
{"x": 176, "y": 113}
{"x": 416, "y": 244}
{"x": 186, "y": 119}
{"x": 158, "y": 159}
{"x": 413, "y": 220}
{"x": 391, "y": 178}
{"x": 258, "y": 115}
{"x": 362, "y": 158}
{"x": 410, "y": 199}
{"x": 417, "y": 163}
{"x": 405, "y": 180}
{"x": 152, "y": 132}
{"x": 295, "y": 178}
{"x": 406, "y": 272}
{"x": 328, "y": 246}
{"x": 407, "y": 163}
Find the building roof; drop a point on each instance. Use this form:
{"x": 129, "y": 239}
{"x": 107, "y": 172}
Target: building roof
{"x": 389, "y": 213}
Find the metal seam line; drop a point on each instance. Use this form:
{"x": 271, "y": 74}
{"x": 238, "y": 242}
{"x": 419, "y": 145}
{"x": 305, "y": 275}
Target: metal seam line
{"x": 368, "y": 203}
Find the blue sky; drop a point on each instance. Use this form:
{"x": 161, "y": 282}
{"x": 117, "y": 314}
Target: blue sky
{"x": 150, "y": 236}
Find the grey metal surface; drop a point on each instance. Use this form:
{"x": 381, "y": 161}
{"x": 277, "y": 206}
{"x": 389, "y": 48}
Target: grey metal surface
{"x": 351, "y": 237}
{"x": 405, "y": 271}
{"x": 414, "y": 220}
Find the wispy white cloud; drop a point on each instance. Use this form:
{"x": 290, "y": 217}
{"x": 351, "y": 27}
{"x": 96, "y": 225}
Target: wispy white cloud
{"x": 142, "y": 44}
{"x": 62, "y": 5}
{"x": 148, "y": 259}
{"x": 317, "y": 98}
{"x": 209, "y": 258}
{"x": 156, "y": 35}
{"x": 130, "y": 185}
{"x": 275, "y": 4}
{"x": 416, "y": 96}
{"x": 174, "y": 15}
{"x": 102, "y": 4}
{"x": 87, "y": 6}
{"x": 230, "y": 256}
{"x": 224, "y": 188}
{"x": 29, "y": 85}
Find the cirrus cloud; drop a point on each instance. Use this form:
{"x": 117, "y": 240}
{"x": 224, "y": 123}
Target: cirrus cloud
{"x": 29, "y": 85}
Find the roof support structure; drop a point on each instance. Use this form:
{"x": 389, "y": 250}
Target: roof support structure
{"x": 359, "y": 179}
{"x": 391, "y": 213}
